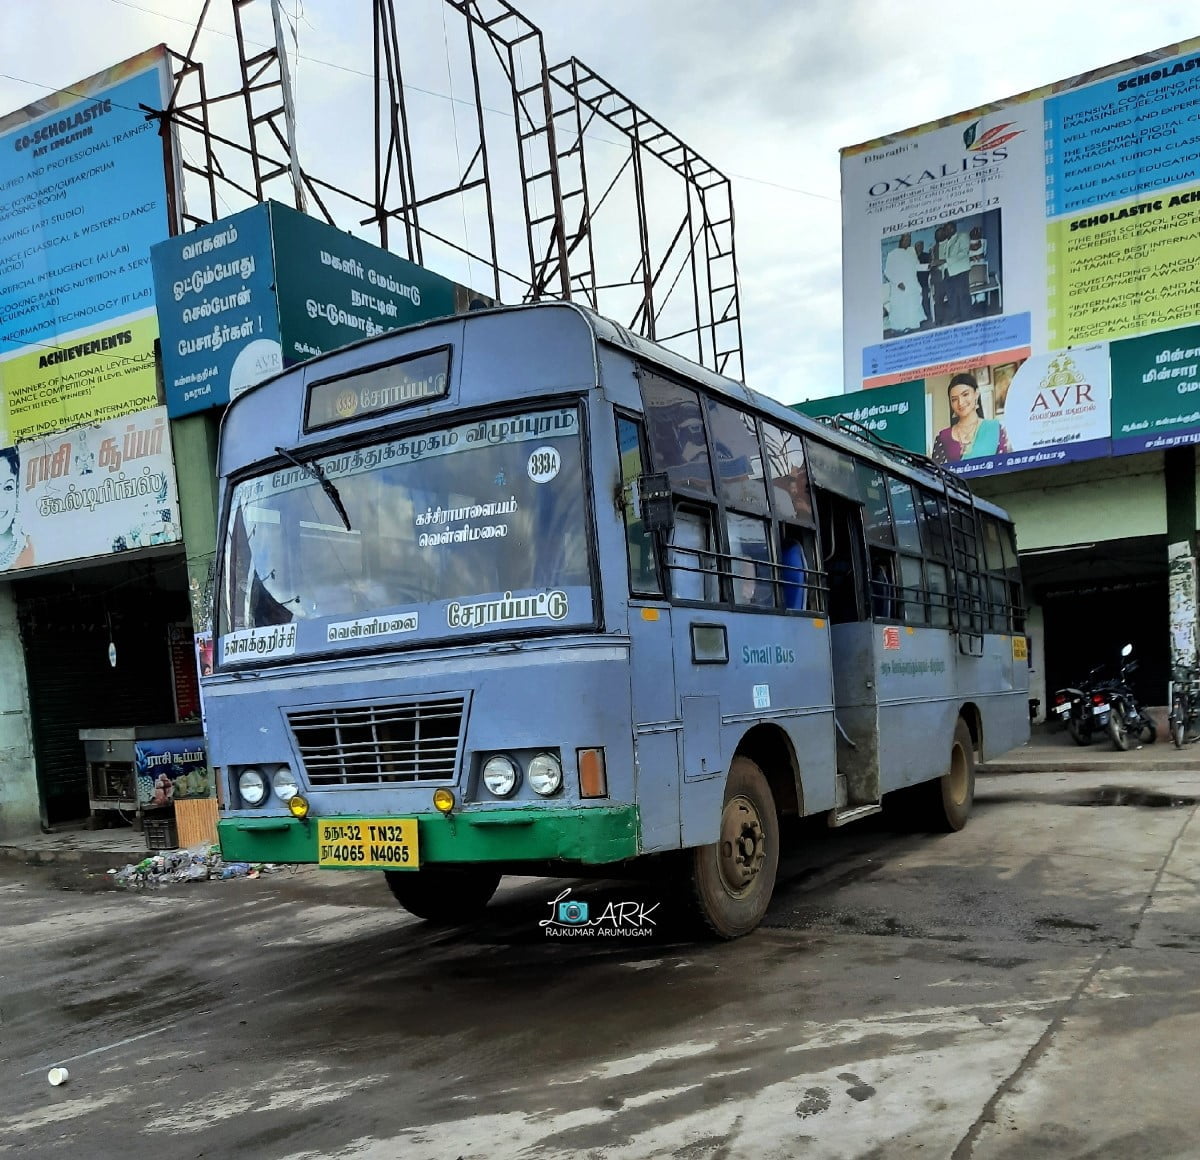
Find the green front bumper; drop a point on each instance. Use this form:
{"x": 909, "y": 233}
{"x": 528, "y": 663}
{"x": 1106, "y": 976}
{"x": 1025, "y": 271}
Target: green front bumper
{"x": 595, "y": 836}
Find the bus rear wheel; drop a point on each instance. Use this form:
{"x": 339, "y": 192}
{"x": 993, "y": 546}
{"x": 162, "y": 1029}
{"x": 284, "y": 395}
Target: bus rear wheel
{"x": 443, "y": 894}
{"x": 953, "y": 794}
{"x": 733, "y": 879}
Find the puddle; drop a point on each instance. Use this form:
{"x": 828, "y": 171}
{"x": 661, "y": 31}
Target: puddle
{"x": 1107, "y": 795}
{"x": 1059, "y": 922}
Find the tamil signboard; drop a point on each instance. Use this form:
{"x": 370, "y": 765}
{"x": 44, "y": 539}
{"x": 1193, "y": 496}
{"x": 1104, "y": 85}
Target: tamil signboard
{"x": 83, "y": 195}
{"x": 1032, "y": 262}
{"x": 88, "y": 492}
{"x": 270, "y": 287}
{"x": 894, "y": 414}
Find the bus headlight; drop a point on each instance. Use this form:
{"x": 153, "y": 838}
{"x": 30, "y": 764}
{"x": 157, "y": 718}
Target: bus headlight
{"x": 500, "y": 775}
{"x": 284, "y": 783}
{"x": 252, "y": 786}
{"x": 545, "y": 774}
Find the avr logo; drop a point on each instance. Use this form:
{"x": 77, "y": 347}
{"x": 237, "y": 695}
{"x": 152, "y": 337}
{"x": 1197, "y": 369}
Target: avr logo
{"x": 991, "y": 138}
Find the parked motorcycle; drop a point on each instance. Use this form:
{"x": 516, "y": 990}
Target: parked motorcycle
{"x": 1127, "y": 719}
{"x": 1084, "y": 708}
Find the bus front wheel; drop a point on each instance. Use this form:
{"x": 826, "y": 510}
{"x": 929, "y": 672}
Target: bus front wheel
{"x": 443, "y": 894}
{"x": 733, "y": 879}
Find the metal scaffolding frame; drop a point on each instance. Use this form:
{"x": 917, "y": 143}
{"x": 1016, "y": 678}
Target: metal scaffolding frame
{"x": 554, "y": 112}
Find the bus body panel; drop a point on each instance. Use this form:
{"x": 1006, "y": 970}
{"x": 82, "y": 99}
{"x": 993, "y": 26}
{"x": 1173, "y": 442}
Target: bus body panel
{"x": 534, "y": 699}
{"x": 778, "y": 673}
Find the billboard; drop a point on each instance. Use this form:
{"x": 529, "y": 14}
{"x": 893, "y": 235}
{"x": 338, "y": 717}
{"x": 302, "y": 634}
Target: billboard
{"x": 895, "y": 414}
{"x": 83, "y": 195}
{"x": 91, "y": 491}
{"x": 269, "y": 287}
{"x": 1028, "y": 261}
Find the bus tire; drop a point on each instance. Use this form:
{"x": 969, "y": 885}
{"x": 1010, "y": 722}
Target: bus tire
{"x": 444, "y": 895}
{"x": 953, "y": 793}
{"x": 942, "y": 805}
{"x": 733, "y": 879}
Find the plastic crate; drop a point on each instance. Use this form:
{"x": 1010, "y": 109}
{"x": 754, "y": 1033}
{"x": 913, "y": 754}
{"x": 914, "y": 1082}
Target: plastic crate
{"x": 161, "y": 833}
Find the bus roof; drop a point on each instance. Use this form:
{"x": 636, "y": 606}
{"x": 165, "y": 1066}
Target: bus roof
{"x": 603, "y": 330}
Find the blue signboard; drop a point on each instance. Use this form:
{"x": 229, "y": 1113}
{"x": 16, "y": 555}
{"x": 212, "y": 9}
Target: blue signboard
{"x": 1116, "y": 139}
{"x": 171, "y": 768}
{"x": 240, "y": 299}
{"x": 83, "y": 195}
{"x": 217, "y": 310}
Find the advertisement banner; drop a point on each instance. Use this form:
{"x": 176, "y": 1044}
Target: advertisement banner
{"x": 1156, "y": 391}
{"x": 243, "y": 298}
{"x": 335, "y": 288}
{"x": 89, "y": 492}
{"x": 1036, "y": 234}
{"x": 170, "y": 770}
{"x": 1001, "y": 413}
{"x": 895, "y": 413}
{"x": 215, "y": 289}
{"x": 83, "y": 195}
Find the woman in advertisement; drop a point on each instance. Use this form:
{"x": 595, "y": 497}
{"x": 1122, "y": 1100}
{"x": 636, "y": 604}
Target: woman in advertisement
{"x": 15, "y": 549}
{"x": 970, "y": 435}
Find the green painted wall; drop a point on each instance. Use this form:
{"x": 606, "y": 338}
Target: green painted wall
{"x": 1104, "y": 499}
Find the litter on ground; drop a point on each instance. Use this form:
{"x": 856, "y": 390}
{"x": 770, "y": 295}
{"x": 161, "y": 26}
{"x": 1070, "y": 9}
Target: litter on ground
{"x": 195, "y": 864}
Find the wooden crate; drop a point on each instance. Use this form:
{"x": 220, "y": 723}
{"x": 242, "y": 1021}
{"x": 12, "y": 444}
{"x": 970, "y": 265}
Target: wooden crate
{"x": 196, "y": 821}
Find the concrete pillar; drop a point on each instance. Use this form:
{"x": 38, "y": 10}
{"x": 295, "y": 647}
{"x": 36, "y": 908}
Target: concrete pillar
{"x": 1179, "y": 480}
{"x": 20, "y": 812}
{"x": 194, "y": 439}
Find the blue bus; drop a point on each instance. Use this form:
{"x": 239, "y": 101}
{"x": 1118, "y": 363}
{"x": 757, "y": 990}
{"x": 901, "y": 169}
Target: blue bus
{"x": 522, "y": 592}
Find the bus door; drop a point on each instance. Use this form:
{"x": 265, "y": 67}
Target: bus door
{"x": 853, "y": 640}
{"x": 655, "y": 719}
{"x": 656, "y": 726}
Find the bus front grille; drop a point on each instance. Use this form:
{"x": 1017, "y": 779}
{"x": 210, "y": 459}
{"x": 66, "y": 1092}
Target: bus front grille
{"x": 409, "y": 741}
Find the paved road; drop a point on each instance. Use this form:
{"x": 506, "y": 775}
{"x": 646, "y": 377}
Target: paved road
{"x": 1025, "y": 989}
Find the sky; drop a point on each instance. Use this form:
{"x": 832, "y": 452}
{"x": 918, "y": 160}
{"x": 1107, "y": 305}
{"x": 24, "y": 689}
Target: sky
{"x": 767, "y": 91}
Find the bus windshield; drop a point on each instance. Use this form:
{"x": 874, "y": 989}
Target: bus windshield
{"x": 484, "y": 520}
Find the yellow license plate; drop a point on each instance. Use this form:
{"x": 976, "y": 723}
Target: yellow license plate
{"x": 367, "y": 843}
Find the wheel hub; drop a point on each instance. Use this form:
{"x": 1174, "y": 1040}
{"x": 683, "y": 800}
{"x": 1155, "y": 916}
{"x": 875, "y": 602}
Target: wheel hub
{"x": 742, "y": 847}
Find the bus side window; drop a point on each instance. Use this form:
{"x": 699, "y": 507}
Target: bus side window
{"x": 1012, "y": 569}
{"x": 884, "y": 604}
{"x": 678, "y": 444}
{"x": 939, "y": 594}
{"x": 639, "y": 544}
{"x": 799, "y": 583}
{"x": 691, "y": 564}
{"x": 877, "y": 521}
{"x": 750, "y": 563}
{"x": 914, "y": 590}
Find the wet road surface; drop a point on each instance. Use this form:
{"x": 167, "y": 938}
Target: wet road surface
{"x": 1026, "y": 988}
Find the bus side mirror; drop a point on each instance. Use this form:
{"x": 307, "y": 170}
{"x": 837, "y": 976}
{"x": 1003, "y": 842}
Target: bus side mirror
{"x": 654, "y": 502}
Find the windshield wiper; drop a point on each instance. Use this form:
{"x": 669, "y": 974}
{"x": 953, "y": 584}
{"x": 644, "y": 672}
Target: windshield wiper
{"x": 327, "y": 487}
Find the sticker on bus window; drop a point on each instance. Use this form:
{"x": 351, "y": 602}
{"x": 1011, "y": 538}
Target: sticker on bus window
{"x": 544, "y": 463}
